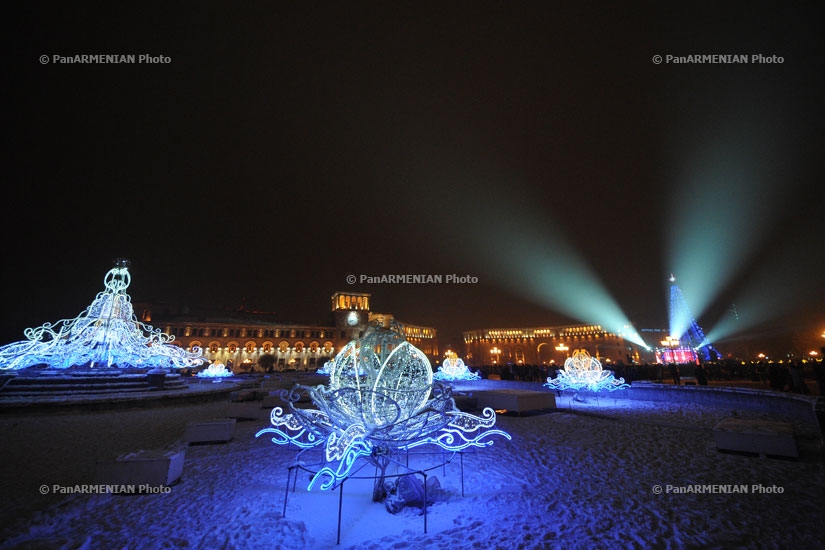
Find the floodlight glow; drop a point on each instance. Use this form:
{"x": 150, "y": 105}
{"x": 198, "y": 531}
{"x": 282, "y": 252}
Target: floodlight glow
{"x": 730, "y": 177}
{"x": 532, "y": 258}
{"x": 107, "y": 334}
{"x": 774, "y": 291}
{"x": 583, "y": 372}
{"x": 453, "y": 368}
{"x": 380, "y": 398}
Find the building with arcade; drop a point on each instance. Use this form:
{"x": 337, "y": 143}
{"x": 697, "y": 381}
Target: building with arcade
{"x": 549, "y": 345}
{"x": 248, "y": 341}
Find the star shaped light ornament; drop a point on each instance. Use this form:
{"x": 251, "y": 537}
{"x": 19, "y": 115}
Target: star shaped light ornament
{"x": 380, "y": 399}
{"x": 107, "y": 334}
{"x": 583, "y": 372}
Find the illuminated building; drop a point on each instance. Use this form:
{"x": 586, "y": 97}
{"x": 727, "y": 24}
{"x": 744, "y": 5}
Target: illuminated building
{"x": 546, "y": 345}
{"x": 241, "y": 339}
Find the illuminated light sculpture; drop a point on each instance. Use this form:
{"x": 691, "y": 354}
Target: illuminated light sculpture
{"x": 215, "y": 370}
{"x": 583, "y": 372}
{"x": 380, "y": 399}
{"x": 454, "y": 368}
{"x": 107, "y": 334}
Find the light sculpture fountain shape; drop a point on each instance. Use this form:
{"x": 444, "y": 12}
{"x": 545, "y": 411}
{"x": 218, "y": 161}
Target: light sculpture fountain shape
{"x": 107, "y": 334}
{"x": 583, "y": 372}
{"x": 453, "y": 368}
{"x": 380, "y": 399}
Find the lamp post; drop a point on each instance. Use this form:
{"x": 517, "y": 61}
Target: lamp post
{"x": 563, "y": 349}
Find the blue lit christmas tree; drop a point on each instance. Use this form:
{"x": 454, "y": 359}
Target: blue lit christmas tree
{"x": 693, "y": 337}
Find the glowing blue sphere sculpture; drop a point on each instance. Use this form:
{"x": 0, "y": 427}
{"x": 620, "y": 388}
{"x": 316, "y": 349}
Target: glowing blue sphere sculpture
{"x": 107, "y": 334}
{"x": 380, "y": 398}
{"x": 582, "y": 372}
{"x": 453, "y": 368}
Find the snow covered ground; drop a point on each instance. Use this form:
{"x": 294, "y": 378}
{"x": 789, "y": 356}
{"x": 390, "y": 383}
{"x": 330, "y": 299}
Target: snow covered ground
{"x": 583, "y": 475}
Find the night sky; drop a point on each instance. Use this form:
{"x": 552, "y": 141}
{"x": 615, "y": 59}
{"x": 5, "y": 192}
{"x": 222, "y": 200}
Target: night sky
{"x": 287, "y": 145}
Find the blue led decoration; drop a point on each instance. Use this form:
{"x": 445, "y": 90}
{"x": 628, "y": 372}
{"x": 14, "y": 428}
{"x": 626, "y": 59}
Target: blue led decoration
{"x": 107, "y": 334}
{"x": 380, "y": 399}
{"x": 216, "y": 371}
{"x": 582, "y": 372}
{"x": 453, "y": 368}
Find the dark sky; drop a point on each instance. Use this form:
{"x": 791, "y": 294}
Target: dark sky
{"x": 287, "y": 145}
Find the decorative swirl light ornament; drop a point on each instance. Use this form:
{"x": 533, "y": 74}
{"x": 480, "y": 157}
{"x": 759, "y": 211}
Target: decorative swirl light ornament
{"x": 107, "y": 334}
{"x": 216, "y": 371}
{"x": 453, "y": 368}
{"x": 380, "y": 399}
{"x": 582, "y": 372}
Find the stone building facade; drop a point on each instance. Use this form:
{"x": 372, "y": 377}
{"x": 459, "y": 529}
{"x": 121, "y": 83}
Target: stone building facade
{"x": 248, "y": 341}
{"x": 546, "y": 345}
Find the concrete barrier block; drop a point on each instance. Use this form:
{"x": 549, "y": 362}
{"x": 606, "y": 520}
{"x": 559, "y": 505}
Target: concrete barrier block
{"x": 246, "y": 410}
{"x": 755, "y": 436}
{"x": 516, "y": 400}
{"x": 145, "y": 467}
{"x": 210, "y": 431}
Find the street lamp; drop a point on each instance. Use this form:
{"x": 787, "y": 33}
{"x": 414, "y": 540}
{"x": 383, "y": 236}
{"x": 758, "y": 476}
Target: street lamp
{"x": 562, "y": 348}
